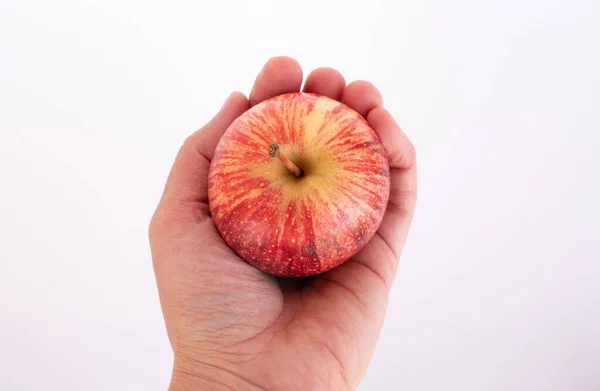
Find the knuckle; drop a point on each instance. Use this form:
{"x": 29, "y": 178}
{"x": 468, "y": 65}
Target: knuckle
{"x": 411, "y": 152}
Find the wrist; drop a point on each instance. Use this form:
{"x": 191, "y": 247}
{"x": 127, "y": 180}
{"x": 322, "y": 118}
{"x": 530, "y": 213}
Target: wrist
{"x": 194, "y": 375}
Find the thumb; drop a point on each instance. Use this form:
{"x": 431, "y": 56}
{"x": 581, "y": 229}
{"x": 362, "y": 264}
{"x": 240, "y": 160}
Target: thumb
{"x": 188, "y": 180}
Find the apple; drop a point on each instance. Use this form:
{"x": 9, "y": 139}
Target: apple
{"x": 298, "y": 184}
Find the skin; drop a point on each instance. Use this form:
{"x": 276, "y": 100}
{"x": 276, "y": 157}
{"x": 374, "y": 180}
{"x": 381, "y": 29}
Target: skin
{"x": 298, "y": 220}
{"x": 233, "y": 327}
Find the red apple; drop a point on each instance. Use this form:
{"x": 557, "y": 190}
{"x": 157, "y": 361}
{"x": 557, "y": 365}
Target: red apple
{"x": 298, "y": 184}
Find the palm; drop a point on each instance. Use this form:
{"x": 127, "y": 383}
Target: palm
{"x": 260, "y": 316}
{"x": 260, "y": 326}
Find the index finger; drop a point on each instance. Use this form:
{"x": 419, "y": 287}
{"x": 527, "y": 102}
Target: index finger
{"x": 279, "y": 75}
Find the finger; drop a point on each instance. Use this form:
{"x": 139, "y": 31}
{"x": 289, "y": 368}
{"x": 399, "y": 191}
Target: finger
{"x": 362, "y": 96}
{"x": 403, "y": 176}
{"x": 188, "y": 178}
{"x": 325, "y": 81}
{"x": 280, "y": 75}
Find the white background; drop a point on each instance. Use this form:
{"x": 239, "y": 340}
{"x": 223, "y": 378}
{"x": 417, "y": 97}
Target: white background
{"x": 499, "y": 285}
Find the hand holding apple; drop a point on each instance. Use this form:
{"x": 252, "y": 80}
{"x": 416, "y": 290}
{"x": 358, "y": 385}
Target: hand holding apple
{"x": 230, "y": 325}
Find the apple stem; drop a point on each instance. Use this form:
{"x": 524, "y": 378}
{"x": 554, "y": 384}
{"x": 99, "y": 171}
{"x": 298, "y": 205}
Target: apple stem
{"x": 274, "y": 151}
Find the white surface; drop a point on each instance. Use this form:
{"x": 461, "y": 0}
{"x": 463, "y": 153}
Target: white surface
{"x": 499, "y": 286}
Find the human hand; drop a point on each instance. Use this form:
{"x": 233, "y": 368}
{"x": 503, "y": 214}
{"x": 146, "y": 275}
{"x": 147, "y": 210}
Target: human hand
{"x": 233, "y": 327}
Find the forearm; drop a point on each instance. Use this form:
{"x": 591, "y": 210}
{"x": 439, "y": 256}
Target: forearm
{"x": 199, "y": 376}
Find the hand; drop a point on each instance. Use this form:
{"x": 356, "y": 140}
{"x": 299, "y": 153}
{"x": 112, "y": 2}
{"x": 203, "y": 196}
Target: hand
{"x": 233, "y": 327}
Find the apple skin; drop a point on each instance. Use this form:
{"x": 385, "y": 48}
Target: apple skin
{"x": 290, "y": 226}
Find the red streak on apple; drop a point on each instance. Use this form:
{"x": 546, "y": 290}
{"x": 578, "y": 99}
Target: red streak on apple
{"x": 289, "y": 225}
